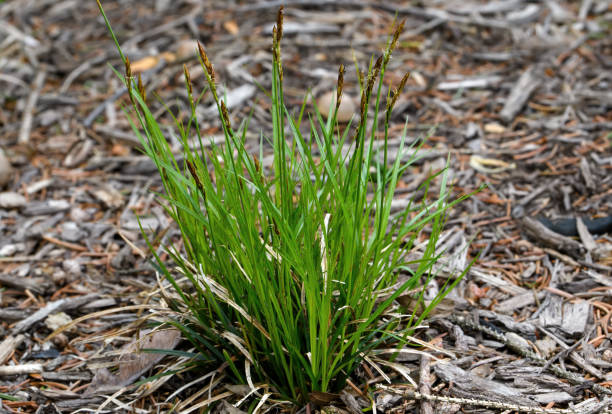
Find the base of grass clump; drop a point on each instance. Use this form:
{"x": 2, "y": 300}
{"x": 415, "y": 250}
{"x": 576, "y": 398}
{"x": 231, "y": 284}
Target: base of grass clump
{"x": 293, "y": 273}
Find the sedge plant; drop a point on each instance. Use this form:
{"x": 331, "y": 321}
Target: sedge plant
{"x": 292, "y": 270}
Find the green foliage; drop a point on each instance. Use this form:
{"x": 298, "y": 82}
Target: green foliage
{"x": 293, "y": 272}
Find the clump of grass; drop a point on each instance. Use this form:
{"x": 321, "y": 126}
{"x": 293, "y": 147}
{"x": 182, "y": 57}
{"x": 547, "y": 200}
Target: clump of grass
{"x": 294, "y": 271}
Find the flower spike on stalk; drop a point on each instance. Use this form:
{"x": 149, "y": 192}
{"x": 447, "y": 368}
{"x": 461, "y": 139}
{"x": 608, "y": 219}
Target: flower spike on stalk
{"x": 339, "y": 86}
{"x": 375, "y": 73}
{"x": 276, "y": 52}
{"x": 141, "y": 88}
{"x": 367, "y": 91}
{"x": 398, "y": 30}
{"x": 226, "y": 119}
{"x": 209, "y": 69}
{"x": 397, "y": 91}
{"x": 187, "y": 80}
{"x": 279, "y": 24}
{"x": 195, "y": 176}
{"x": 128, "y": 78}
{"x": 257, "y": 164}
{"x": 277, "y": 35}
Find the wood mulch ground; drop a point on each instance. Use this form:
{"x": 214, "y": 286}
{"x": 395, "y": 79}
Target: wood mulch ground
{"x": 519, "y": 93}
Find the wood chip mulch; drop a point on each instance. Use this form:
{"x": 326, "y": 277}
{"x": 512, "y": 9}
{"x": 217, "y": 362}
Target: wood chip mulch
{"x": 519, "y": 95}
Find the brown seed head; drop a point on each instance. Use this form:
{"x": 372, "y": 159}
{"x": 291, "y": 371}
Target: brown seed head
{"x": 128, "y": 69}
{"x": 398, "y": 30}
{"x": 195, "y": 176}
{"x": 376, "y": 69}
{"x": 128, "y": 78}
{"x": 226, "y": 118}
{"x": 393, "y": 44}
{"x": 340, "y": 85}
{"x": 372, "y": 76}
{"x": 257, "y": 164}
{"x": 402, "y": 84}
{"x": 276, "y": 55}
{"x": 279, "y": 24}
{"x": 141, "y": 88}
{"x": 207, "y": 64}
{"x": 397, "y": 92}
{"x": 187, "y": 80}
